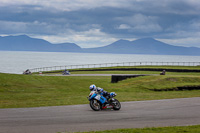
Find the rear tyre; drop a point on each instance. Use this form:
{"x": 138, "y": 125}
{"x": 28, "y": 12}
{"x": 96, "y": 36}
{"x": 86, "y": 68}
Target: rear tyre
{"x": 95, "y": 105}
{"x": 116, "y": 105}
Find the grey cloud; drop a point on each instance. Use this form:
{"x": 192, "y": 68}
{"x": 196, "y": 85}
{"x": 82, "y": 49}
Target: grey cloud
{"x": 140, "y": 23}
{"x": 133, "y": 19}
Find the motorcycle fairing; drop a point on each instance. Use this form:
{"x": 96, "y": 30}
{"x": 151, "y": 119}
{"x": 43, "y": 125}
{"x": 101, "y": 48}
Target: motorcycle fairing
{"x": 102, "y": 99}
{"x": 98, "y": 97}
{"x": 93, "y": 96}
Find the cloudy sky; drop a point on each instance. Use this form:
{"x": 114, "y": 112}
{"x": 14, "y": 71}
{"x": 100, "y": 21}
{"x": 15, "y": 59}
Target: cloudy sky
{"x": 93, "y": 23}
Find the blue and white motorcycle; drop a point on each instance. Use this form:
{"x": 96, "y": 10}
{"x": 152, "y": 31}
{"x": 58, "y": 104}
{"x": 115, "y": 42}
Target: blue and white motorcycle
{"x": 65, "y": 72}
{"x": 99, "y": 102}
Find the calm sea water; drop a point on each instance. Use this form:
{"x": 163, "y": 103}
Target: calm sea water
{"x": 17, "y": 62}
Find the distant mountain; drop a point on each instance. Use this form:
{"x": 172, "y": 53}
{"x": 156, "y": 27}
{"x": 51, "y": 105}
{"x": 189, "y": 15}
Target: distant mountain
{"x": 26, "y": 43}
{"x": 140, "y": 46}
{"x": 144, "y": 46}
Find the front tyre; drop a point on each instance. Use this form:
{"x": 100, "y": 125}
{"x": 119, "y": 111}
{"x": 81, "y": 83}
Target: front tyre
{"x": 116, "y": 105}
{"x": 95, "y": 105}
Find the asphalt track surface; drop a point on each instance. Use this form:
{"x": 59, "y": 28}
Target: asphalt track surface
{"x": 138, "y": 114}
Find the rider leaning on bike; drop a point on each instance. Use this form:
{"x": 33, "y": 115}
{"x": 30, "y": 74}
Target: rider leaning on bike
{"x": 100, "y": 99}
{"x": 100, "y": 90}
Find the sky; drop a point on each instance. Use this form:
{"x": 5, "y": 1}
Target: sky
{"x": 95, "y": 23}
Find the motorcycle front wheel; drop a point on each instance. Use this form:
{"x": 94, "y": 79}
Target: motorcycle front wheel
{"x": 95, "y": 105}
{"x": 116, "y": 105}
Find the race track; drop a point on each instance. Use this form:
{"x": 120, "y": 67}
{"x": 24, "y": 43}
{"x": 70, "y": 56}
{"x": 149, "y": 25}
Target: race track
{"x": 171, "y": 112}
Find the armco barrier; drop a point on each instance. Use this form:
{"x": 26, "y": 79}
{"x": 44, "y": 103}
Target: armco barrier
{"x": 54, "y": 68}
{"x": 141, "y": 69}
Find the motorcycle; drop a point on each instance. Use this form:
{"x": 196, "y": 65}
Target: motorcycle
{"x": 27, "y": 72}
{"x": 99, "y": 102}
{"x": 65, "y": 72}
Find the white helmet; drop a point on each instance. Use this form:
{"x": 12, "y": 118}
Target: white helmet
{"x": 92, "y": 87}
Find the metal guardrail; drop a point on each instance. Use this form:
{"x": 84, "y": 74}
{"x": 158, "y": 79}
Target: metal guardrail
{"x": 54, "y": 68}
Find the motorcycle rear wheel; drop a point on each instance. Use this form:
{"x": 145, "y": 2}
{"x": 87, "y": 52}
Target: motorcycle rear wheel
{"x": 116, "y": 105}
{"x": 95, "y": 105}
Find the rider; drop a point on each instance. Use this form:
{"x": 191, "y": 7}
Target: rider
{"x": 100, "y": 90}
{"x": 65, "y": 72}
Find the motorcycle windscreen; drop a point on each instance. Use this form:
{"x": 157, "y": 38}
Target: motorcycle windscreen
{"x": 102, "y": 99}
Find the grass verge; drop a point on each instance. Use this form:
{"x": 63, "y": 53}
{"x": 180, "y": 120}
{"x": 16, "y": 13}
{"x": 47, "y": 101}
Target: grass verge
{"x": 176, "y": 129}
{"x": 135, "y": 72}
{"x": 18, "y": 91}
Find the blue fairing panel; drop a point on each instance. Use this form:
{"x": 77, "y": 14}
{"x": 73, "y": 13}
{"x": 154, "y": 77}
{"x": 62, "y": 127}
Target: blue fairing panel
{"x": 93, "y": 96}
{"x": 102, "y": 99}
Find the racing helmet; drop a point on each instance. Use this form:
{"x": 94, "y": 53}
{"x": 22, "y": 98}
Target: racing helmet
{"x": 92, "y": 87}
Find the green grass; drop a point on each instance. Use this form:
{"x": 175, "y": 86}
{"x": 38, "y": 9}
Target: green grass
{"x": 176, "y": 129}
{"x": 34, "y": 91}
{"x": 140, "y": 88}
{"x": 134, "y": 72}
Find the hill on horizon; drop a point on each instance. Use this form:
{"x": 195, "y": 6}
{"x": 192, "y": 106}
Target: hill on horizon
{"x": 140, "y": 46}
{"x": 26, "y": 43}
{"x": 145, "y": 46}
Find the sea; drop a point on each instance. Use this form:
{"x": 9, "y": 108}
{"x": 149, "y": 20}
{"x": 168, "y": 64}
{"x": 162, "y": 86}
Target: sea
{"x": 18, "y": 61}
